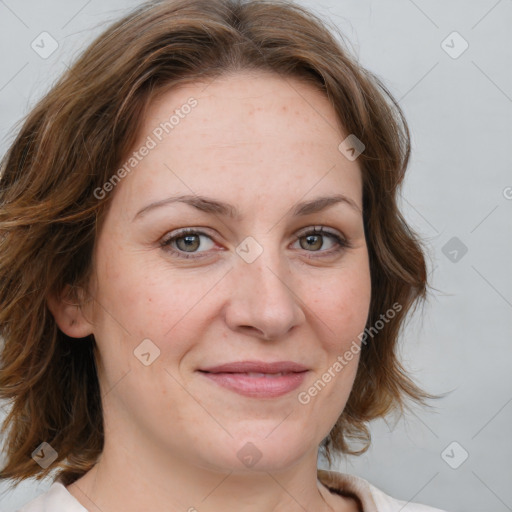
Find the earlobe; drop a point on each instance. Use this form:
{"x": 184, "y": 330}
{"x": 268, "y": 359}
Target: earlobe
{"x": 68, "y": 311}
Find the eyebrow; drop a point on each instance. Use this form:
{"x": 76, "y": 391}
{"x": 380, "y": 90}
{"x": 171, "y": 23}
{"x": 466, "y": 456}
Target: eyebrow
{"x": 209, "y": 205}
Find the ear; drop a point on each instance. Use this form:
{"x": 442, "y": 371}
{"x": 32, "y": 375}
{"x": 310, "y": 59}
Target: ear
{"x": 68, "y": 311}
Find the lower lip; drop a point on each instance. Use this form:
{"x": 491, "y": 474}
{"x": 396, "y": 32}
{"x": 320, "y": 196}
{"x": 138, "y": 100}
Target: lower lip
{"x": 258, "y": 387}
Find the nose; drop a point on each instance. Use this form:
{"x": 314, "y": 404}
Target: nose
{"x": 263, "y": 300}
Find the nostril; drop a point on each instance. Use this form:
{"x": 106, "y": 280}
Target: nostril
{"x": 258, "y": 331}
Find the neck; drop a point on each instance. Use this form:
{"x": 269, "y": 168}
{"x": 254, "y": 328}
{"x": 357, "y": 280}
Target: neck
{"x": 129, "y": 477}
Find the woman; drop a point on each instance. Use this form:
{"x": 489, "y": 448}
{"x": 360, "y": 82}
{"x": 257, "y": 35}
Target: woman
{"x": 204, "y": 270}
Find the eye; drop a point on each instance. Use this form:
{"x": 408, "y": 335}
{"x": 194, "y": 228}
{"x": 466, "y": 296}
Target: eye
{"x": 313, "y": 240}
{"x": 186, "y": 243}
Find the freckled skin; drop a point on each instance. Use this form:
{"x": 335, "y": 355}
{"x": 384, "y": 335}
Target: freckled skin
{"x": 171, "y": 434}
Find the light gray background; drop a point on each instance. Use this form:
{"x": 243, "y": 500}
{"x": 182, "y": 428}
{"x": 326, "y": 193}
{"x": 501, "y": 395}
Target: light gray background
{"x": 459, "y": 185}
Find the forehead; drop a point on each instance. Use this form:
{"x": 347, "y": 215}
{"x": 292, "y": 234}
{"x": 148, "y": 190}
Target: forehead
{"x": 250, "y": 107}
{"x": 246, "y": 132}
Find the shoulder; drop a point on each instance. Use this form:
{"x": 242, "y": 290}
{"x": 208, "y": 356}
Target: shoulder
{"x": 385, "y": 503}
{"x": 372, "y": 499}
{"x": 56, "y": 499}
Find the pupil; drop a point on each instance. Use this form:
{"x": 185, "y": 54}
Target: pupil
{"x": 311, "y": 242}
{"x": 191, "y": 241}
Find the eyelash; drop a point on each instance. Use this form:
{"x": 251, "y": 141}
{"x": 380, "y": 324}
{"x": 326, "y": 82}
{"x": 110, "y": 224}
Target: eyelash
{"x": 342, "y": 243}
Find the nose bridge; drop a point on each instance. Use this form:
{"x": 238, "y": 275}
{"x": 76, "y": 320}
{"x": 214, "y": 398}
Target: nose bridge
{"x": 264, "y": 298}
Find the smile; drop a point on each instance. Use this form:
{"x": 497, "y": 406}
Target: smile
{"x": 258, "y": 385}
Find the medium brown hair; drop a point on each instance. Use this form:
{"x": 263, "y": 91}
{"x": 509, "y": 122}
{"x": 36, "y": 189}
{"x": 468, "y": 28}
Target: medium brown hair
{"x": 73, "y": 141}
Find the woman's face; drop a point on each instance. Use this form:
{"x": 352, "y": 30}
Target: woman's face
{"x": 250, "y": 281}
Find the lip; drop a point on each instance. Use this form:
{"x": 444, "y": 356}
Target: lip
{"x": 256, "y": 367}
{"x": 235, "y": 377}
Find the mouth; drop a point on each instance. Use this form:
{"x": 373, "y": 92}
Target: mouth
{"x": 267, "y": 368}
{"x": 257, "y": 379}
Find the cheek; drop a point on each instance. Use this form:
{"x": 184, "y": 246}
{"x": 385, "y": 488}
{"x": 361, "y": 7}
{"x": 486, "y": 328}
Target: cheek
{"x": 340, "y": 309}
{"x": 142, "y": 298}
{"x": 342, "y": 304}
{"x": 138, "y": 291}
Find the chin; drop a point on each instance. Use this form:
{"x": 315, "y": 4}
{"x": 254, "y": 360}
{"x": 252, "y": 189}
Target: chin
{"x": 260, "y": 452}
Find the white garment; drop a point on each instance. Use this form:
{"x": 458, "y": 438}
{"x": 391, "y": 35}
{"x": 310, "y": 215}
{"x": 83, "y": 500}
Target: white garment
{"x": 59, "y": 499}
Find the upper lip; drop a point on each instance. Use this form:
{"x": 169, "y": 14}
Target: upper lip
{"x": 256, "y": 367}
